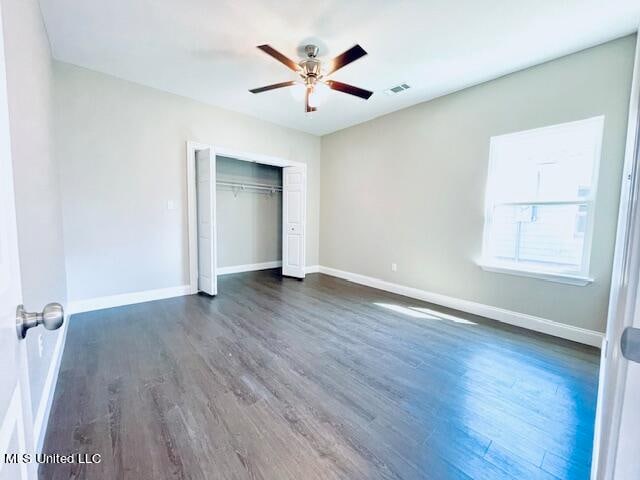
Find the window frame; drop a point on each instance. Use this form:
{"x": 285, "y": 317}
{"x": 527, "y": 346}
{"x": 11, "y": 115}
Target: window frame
{"x": 579, "y": 277}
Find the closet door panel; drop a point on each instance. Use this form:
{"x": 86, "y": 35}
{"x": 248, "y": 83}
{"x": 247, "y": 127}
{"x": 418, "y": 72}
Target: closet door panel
{"x": 294, "y": 193}
{"x": 206, "y": 209}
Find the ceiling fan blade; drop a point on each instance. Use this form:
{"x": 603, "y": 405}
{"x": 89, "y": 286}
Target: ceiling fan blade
{"x": 280, "y": 57}
{"x": 308, "y": 108}
{"x": 350, "y": 89}
{"x": 351, "y": 55}
{"x": 272, "y": 86}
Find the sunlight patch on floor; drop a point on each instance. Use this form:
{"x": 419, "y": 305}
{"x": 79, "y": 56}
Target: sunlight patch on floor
{"x": 426, "y": 313}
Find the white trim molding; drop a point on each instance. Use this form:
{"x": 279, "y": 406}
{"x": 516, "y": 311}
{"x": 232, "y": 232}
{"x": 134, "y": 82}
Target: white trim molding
{"x": 312, "y": 269}
{"x": 540, "y": 275}
{"x": 530, "y": 322}
{"x": 250, "y": 267}
{"x": 99, "y": 303}
{"x": 46, "y": 400}
{"x": 256, "y": 157}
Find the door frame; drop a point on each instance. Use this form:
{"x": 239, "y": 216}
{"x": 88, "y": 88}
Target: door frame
{"x": 624, "y": 293}
{"x": 217, "y": 150}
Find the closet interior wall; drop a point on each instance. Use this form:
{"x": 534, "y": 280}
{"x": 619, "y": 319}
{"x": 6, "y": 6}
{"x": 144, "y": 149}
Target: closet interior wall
{"x": 249, "y": 220}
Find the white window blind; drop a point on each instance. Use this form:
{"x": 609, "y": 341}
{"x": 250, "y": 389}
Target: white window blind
{"x": 540, "y": 196}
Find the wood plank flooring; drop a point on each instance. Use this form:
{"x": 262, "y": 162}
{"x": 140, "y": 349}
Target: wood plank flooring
{"x": 316, "y": 380}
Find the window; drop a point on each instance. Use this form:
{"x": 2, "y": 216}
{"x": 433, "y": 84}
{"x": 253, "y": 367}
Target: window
{"x": 540, "y": 195}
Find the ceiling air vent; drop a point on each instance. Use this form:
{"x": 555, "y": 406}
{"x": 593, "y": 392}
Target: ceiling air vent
{"x": 397, "y": 89}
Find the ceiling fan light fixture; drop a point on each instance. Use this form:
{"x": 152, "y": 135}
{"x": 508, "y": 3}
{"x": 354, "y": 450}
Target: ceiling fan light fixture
{"x": 297, "y": 91}
{"x": 319, "y": 94}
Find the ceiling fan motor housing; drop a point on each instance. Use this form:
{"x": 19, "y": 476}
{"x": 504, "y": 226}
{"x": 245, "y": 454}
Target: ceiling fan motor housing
{"x": 310, "y": 69}
{"x": 311, "y": 66}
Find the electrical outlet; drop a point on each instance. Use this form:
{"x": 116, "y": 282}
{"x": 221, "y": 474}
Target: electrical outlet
{"x": 40, "y": 345}
{"x": 394, "y": 267}
{"x": 171, "y": 205}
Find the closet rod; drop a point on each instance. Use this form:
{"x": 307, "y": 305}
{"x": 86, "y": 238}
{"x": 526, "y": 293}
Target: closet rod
{"x": 259, "y": 186}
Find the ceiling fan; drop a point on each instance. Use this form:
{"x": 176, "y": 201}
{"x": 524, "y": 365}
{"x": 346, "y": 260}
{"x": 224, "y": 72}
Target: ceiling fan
{"x": 311, "y": 71}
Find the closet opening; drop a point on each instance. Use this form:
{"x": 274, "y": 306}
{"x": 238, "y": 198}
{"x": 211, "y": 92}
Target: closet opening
{"x": 246, "y": 212}
{"x": 249, "y": 216}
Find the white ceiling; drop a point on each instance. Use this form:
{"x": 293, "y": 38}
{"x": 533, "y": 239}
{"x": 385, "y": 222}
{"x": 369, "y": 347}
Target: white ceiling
{"x": 205, "y": 49}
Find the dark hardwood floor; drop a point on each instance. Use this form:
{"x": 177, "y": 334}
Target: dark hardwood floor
{"x": 317, "y": 379}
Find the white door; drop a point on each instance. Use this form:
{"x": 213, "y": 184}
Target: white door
{"x": 16, "y": 433}
{"x": 206, "y": 214}
{"x": 294, "y": 214}
{"x": 618, "y": 415}
{"x": 627, "y": 463}
{"x": 617, "y": 429}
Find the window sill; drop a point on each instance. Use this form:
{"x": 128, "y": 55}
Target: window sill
{"x": 548, "y": 276}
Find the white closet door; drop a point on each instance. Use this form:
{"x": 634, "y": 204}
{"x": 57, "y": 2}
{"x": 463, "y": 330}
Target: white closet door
{"x": 294, "y": 205}
{"x": 206, "y": 206}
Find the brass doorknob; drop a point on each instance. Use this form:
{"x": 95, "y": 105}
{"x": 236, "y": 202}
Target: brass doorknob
{"x": 51, "y": 318}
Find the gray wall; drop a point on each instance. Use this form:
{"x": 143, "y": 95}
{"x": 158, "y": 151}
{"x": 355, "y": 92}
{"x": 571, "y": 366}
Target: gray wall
{"x": 29, "y": 85}
{"x": 409, "y": 187}
{"x": 122, "y": 157}
{"x": 249, "y": 224}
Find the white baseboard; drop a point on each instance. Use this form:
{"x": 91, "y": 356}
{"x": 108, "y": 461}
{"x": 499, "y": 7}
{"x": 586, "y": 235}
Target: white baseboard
{"x": 41, "y": 419}
{"x": 250, "y": 267}
{"x": 531, "y": 322}
{"x": 90, "y": 304}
